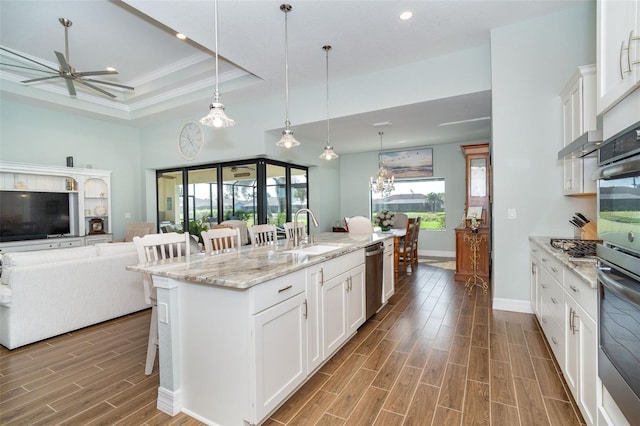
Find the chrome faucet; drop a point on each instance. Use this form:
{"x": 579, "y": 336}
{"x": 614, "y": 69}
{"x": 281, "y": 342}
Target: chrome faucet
{"x": 296, "y": 236}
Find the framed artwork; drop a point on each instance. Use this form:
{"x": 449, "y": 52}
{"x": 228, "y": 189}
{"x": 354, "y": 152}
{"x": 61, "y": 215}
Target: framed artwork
{"x": 474, "y": 212}
{"x": 169, "y": 203}
{"x": 414, "y": 163}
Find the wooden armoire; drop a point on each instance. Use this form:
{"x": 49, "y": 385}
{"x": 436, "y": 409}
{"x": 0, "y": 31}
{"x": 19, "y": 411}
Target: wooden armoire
{"x": 478, "y": 194}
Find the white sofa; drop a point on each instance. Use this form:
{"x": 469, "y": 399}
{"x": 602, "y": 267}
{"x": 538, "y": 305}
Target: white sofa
{"x": 52, "y": 292}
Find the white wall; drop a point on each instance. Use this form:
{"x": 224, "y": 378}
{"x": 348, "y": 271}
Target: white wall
{"x": 531, "y": 62}
{"x": 40, "y": 135}
{"x": 448, "y": 163}
{"x": 467, "y": 71}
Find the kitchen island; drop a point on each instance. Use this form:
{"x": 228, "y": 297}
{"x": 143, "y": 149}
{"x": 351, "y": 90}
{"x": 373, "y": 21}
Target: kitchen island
{"x": 239, "y": 332}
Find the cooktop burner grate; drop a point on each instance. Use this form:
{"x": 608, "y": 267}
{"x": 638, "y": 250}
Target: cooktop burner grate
{"x": 576, "y": 247}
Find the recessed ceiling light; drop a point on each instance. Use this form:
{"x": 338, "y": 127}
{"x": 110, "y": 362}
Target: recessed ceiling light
{"x": 405, "y": 16}
{"x": 381, "y": 124}
{"x": 181, "y": 36}
{"x": 471, "y": 120}
{"x": 111, "y": 69}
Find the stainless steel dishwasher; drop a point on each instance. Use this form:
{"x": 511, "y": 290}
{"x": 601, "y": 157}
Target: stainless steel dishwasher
{"x": 373, "y": 277}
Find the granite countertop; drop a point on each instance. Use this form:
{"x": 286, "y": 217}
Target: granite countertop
{"x": 251, "y": 265}
{"x": 586, "y": 270}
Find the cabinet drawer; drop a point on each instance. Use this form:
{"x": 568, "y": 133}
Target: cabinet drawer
{"x": 76, "y": 242}
{"x": 582, "y": 292}
{"x": 552, "y": 313}
{"x": 388, "y": 245}
{"x": 553, "y": 265}
{"x": 536, "y": 252}
{"x": 275, "y": 291}
{"x": 335, "y": 267}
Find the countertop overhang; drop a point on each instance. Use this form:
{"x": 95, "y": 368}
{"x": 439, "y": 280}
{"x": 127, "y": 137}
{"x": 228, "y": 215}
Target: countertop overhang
{"x": 251, "y": 265}
{"x": 585, "y": 270}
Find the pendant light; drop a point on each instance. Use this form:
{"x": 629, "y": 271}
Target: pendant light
{"x": 383, "y": 184}
{"x": 216, "y": 116}
{"x": 328, "y": 153}
{"x": 287, "y": 140}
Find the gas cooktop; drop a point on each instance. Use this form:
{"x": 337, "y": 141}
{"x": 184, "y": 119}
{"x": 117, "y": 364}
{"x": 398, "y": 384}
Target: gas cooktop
{"x": 576, "y": 248}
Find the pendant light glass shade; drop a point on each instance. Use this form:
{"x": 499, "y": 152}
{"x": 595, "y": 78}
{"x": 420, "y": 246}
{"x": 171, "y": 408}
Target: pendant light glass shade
{"x": 216, "y": 117}
{"x": 328, "y": 153}
{"x": 384, "y": 183}
{"x": 287, "y": 140}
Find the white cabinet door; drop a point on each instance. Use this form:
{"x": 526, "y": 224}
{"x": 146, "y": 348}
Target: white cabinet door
{"x": 581, "y": 350}
{"x": 588, "y": 370}
{"x": 356, "y": 308}
{"x": 617, "y": 26}
{"x": 388, "y": 278}
{"x": 572, "y": 346}
{"x": 343, "y": 308}
{"x": 280, "y": 339}
{"x": 578, "y": 116}
{"x": 535, "y": 287}
{"x": 314, "y": 317}
{"x": 334, "y": 313}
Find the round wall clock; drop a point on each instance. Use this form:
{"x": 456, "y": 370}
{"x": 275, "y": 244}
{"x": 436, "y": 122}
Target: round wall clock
{"x": 191, "y": 140}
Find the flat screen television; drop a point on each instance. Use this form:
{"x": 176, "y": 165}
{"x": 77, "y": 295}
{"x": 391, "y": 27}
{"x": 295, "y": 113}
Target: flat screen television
{"x": 29, "y": 215}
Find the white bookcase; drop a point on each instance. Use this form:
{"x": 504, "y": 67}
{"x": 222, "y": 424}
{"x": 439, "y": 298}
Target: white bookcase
{"x": 89, "y": 198}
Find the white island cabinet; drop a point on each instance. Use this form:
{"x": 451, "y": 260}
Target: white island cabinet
{"x": 232, "y": 351}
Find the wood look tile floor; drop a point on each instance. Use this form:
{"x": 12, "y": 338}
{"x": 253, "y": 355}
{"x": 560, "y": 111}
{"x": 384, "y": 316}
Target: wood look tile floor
{"x": 432, "y": 356}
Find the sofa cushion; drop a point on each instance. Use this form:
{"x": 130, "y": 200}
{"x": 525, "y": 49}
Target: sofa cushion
{"x": 106, "y": 249}
{"x": 40, "y": 257}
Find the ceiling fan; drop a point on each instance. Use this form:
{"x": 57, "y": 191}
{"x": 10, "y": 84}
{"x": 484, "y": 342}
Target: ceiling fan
{"x": 66, "y": 71}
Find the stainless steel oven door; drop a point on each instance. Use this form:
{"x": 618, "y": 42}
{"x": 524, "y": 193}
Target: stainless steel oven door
{"x": 619, "y": 336}
{"x": 619, "y": 204}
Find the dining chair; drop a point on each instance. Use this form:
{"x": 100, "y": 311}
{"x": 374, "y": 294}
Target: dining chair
{"x": 242, "y": 226}
{"x": 263, "y": 234}
{"x": 139, "y": 229}
{"x": 360, "y": 225}
{"x": 150, "y": 248}
{"x": 221, "y": 238}
{"x": 400, "y": 221}
{"x": 408, "y": 248}
{"x": 289, "y": 231}
{"x": 414, "y": 242}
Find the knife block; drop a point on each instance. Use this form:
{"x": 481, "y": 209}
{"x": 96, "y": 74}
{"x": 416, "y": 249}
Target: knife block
{"x": 589, "y": 231}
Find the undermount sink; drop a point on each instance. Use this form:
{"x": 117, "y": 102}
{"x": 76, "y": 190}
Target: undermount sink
{"x": 312, "y": 250}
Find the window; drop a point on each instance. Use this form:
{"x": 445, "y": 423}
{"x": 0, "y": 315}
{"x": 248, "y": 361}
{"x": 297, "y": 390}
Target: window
{"x": 255, "y": 191}
{"x": 420, "y": 197}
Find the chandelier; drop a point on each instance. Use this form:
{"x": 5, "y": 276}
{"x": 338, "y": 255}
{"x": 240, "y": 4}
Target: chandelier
{"x": 216, "y": 116}
{"x": 328, "y": 153}
{"x": 287, "y": 140}
{"x": 383, "y": 184}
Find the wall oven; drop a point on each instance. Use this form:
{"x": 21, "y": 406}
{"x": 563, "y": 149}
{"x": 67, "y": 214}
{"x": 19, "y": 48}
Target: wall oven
{"x": 619, "y": 269}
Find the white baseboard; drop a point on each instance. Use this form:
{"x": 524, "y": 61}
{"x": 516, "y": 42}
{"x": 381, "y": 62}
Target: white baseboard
{"x": 436, "y": 253}
{"x": 169, "y": 402}
{"x": 513, "y": 305}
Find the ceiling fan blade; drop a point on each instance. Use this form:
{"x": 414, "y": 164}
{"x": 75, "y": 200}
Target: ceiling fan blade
{"x": 63, "y": 62}
{"x": 109, "y": 83}
{"x": 29, "y": 59}
{"x": 27, "y": 68}
{"x": 88, "y": 73}
{"x": 70, "y": 87}
{"x": 94, "y": 87}
{"x": 33, "y": 80}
